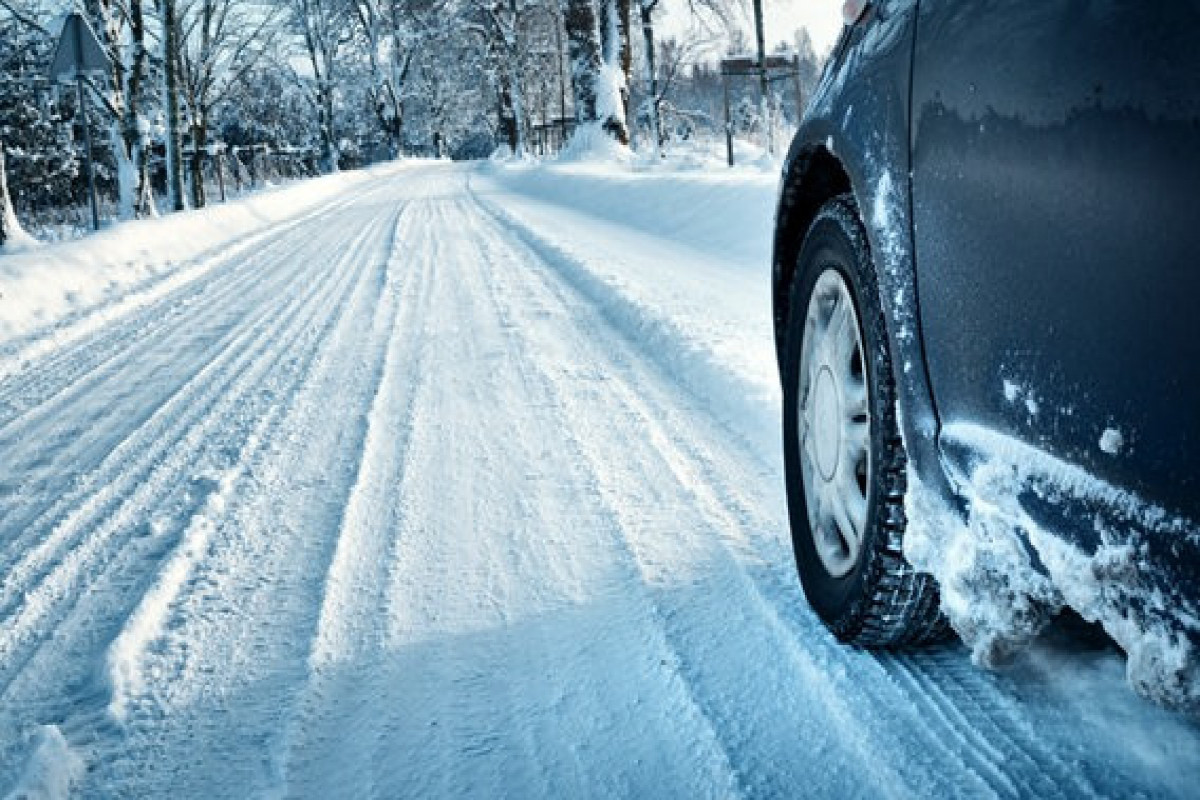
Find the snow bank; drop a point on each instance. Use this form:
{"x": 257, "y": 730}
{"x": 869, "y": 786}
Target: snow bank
{"x": 679, "y": 262}
{"x": 52, "y": 769}
{"x": 729, "y": 212}
{"x": 42, "y": 287}
{"x": 997, "y": 598}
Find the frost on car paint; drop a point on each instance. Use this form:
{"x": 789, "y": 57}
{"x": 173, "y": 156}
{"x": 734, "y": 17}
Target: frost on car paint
{"x": 998, "y": 599}
{"x": 1015, "y": 393}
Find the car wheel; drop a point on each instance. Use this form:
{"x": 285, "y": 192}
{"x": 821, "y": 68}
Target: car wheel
{"x": 844, "y": 458}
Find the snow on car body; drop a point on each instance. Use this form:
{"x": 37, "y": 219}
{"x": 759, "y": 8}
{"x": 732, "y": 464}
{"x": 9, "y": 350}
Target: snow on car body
{"x": 1020, "y": 179}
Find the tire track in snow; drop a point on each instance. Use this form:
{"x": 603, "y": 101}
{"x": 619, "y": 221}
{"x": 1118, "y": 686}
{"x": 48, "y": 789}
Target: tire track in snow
{"x": 89, "y": 328}
{"x": 993, "y": 765}
{"x": 469, "y": 700}
{"x": 350, "y": 621}
{"x": 244, "y": 284}
{"x": 119, "y": 490}
{"x": 689, "y": 579}
{"x": 230, "y": 387}
{"x": 239, "y": 635}
{"x": 246, "y": 279}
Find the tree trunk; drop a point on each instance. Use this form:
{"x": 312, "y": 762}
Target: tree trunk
{"x": 505, "y": 113}
{"x": 8, "y": 219}
{"x": 135, "y": 142}
{"x": 583, "y": 50}
{"x": 171, "y": 77}
{"x": 646, "y": 7}
{"x": 329, "y": 149}
{"x": 614, "y": 89}
{"x": 199, "y": 147}
{"x": 512, "y": 67}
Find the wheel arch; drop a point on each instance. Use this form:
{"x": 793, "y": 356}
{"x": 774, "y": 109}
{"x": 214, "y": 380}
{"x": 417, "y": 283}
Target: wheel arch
{"x": 812, "y": 177}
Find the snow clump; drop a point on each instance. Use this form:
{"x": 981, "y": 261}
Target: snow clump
{"x": 1111, "y": 441}
{"x": 53, "y": 768}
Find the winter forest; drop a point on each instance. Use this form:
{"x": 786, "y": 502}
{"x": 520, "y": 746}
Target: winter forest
{"x": 207, "y": 98}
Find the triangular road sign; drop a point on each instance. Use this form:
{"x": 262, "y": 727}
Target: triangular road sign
{"x": 79, "y": 51}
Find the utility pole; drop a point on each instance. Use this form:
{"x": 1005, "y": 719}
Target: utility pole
{"x": 764, "y": 84}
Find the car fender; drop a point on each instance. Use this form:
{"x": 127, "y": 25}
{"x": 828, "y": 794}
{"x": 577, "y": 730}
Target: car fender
{"x": 863, "y": 147}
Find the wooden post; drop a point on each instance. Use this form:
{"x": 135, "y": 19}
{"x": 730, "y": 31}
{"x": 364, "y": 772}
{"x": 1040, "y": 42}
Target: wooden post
{"x": 764, "y": 85}
{"x": 728, "y": 122}
{"x": 220, "y": 173}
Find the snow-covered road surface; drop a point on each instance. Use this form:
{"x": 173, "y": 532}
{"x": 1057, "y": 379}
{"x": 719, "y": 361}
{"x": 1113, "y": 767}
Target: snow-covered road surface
{"x": 446, "y": 491}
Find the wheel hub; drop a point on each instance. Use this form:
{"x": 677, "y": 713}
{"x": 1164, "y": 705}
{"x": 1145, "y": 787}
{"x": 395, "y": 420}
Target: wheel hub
{"x": 827, "y": 414}
{"x": 835, "y": 425}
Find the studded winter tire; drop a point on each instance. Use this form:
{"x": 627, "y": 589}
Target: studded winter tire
{"x": 844, "y": 458}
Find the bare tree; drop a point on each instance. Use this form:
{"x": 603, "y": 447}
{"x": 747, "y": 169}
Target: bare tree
{"x": 326, "y": 26}
{"x": 221, "y": 41}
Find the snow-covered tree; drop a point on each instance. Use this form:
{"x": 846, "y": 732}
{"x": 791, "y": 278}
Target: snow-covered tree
{"x": 326, "y": 27}
{"x": 171, "y": 84}
{"x": 390, "y": 30}
{"x": 618, "y": 59}
{"x": 38, "y": 162}
{"x": 221, "y": 41}
{"x": 583, "y": 49}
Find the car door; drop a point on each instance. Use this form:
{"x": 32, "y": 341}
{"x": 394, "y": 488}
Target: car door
{"x": 1055, "y": 173}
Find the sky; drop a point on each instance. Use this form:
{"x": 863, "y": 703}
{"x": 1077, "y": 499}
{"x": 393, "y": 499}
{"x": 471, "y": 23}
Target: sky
{"x": 823, "y": 18}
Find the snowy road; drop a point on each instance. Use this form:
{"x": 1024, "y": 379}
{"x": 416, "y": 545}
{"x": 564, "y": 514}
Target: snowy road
{"x": 400, "y": 498}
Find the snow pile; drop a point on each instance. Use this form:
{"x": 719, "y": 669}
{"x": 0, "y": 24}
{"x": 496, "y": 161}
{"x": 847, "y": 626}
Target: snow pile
{"x": 18, "y": 240}
{"x": 591, "y": 143}
{"x": 53, "y": 768}
{"x": 991, "y": 592}
{"x": 41, "y": 287}
{"x": 999, "y": 600}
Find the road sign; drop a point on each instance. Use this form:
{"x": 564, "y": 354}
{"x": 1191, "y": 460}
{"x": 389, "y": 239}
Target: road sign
{"x": 769, "y": 69}
{"x": 78, "y": 53}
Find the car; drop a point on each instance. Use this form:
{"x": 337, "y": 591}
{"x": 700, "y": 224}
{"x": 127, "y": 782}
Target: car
{"x": 986, "y": 294}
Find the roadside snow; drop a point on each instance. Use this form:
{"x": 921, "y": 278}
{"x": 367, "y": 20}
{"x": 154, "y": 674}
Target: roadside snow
{"x": 679, "y": 262}
{"x": 41, "y": 287}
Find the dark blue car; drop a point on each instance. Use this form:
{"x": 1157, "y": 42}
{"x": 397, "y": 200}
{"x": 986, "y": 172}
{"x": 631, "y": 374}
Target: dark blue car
{"x": 987, "y": 316}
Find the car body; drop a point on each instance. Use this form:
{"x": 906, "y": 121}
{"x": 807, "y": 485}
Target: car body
{"x": 1026, "y": 177}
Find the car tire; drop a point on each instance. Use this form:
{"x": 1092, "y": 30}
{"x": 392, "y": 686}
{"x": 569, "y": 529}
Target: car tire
{"x": 844, "y": 458}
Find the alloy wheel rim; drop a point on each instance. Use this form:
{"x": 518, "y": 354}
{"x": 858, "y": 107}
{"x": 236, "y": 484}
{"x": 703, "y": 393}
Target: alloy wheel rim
{"x": 835, "y": 424}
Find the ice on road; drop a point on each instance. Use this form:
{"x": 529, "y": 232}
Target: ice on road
{"x": 466, "y": 485}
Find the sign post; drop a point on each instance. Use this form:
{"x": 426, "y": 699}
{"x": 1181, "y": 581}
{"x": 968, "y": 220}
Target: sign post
{"x": 78, "y": 53}
{"x": 774, "y": 68}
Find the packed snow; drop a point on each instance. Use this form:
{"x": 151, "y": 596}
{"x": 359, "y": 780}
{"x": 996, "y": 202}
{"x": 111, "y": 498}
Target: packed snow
{"x": 464, "y": 480}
